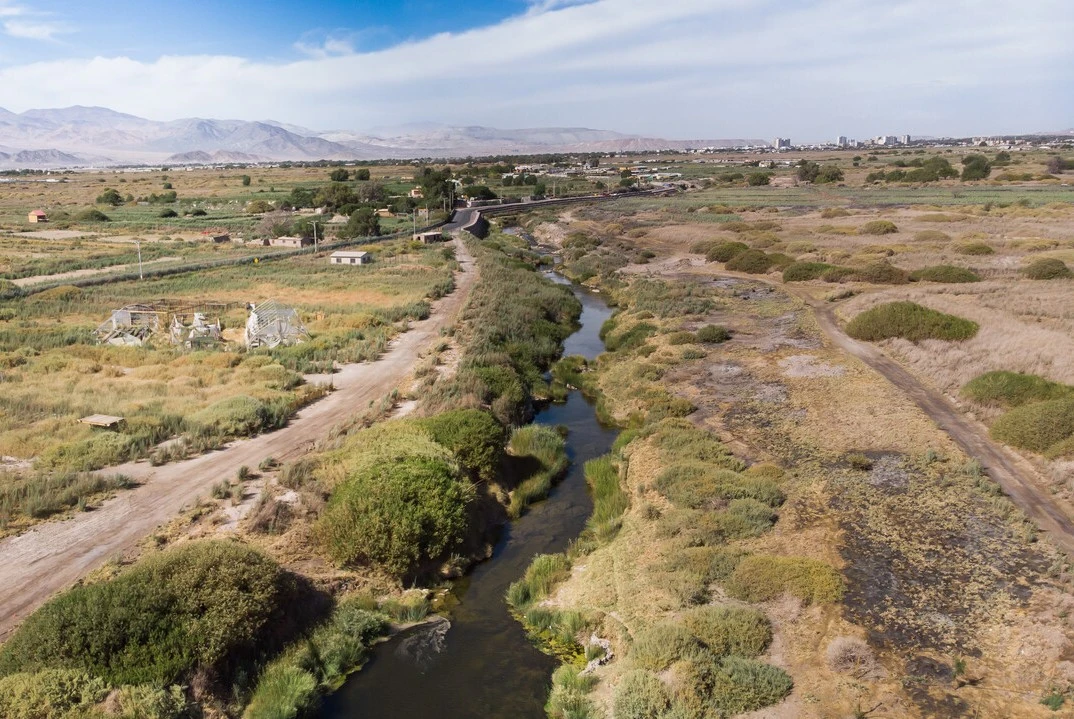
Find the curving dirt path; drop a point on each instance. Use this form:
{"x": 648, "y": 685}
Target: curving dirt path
{"x": 91, "y": 272}
{"x": 52, "y": 556}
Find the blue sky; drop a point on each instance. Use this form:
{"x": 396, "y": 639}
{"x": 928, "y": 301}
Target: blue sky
{"x": 809, "y": 69}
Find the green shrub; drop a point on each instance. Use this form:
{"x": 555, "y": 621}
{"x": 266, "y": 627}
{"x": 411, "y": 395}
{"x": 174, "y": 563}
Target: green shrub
{"x": 974, "y": 248}
{"x": 238, "y": 416}
{"x": 829, "y": 213}
{"x": 753, "y": 262}
{"x": 631, "y": 338}
{"x": 880, "y": 273}
{"x": 397, "y": 515}
{"x": 695, "y": 485}
{"x": 1037, "y": 426}
{"x": 541, "y": 576}
{"x": 713, "y": 334}
{"x": 744, "y": 685}
{"x": 760, "y": 578}
{"x": 567, "y": 699}
{"x": 741, "y": 631}
{"x": 932, "y": 236}
{"x": 944, "y": 273}
{"x": 283, "y": 692}
{"x": 1048, "y": 268}
{"x": 640, "y": 695}
{"x": 805, "y": 271}
{"x": 657, "y": 646}
{"x": 609, "y": 499}
{"x": 1013, "y": 389}
{"x": 92, "y": 215}
{"x": 209, "y": 603}
{"x": 49, "y": 693}
{"x": 878, "y": 227}
{"x": 543, "y": 451}
{"x": 9, "y": 290}
{"x": 476, "y": 439}
{"x": 724, "y": 251}
{"x": 682, "y": 338}
{"x": 910, "y": 321}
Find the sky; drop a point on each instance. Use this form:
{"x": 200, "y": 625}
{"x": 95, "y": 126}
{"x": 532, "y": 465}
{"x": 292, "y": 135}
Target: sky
{"x": 682, "y": 69}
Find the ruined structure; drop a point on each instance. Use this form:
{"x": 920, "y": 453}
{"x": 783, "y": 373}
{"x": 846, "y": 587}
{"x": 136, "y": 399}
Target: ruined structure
{"x": 193, "y": 329}
{"x": 180, "y": 323}
{"x": 271, "y": 324}
{"x": 130, "y": 325}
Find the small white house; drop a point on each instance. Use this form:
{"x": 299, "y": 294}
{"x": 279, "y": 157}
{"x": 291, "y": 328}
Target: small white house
{"x": 344, "y": 257}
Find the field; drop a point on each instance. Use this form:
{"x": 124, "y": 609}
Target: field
{"x": 946, "y": 583}
{"x": 54, "y": 372}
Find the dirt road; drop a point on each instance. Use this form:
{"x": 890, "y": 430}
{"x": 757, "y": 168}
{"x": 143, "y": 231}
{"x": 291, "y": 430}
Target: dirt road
{"x": 38, "y": 563}
{"x": 1014, "y": 474}
{"x": 75, "y": 274}
{"x": 1018, "y": 478}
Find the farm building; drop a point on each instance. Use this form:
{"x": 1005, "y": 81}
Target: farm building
{"x": 37, "y": 216}
{"x": 290, "y": 242}
{"x": 428, "y": 238}
{"x": 344, "y": 257}
{"x": 271, "y": 324}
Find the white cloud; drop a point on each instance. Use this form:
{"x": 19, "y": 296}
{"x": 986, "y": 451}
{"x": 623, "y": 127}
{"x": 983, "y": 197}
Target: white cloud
{"x": 689, "y": 68}
{"x": 32, "y": 29}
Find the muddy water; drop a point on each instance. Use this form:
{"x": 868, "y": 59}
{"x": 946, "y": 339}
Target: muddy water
{"x": 482, "y": 664}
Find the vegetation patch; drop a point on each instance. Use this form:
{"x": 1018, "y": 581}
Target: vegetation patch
{"x": 725, "y": 251}
{"x": 879, "y": 227}
{"x": 208, "y": 604}
{"x": 753, "y": 262}
{"x": 974, "y": 249}
{"x": 1048, "y": 268}
{"x": 1013, "y": 389}
{"x": 713, "y": 334}
{"x": 944, "y": 273}
{"x": 805, "y": 271}
{"x": 761, "y": 578}
{"x": 1038, "y": 427}
{"x": 877, "y": 273}
{"x": 910, "y": 321}
{"x": 541, "y": 455}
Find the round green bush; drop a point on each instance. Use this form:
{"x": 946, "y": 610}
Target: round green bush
{"x": 944, "y": 273}
{"x": 805, "y": 271}
{"x": 209, "y": 603}
{"x": 910, "y": 321}
{"x": 741, "y": 631}
{"x": 725, "y": 251}
{"x": 1048, "y": 268}
{"x": 753, "y": 262}
{"x": 475, "y": 437}
{"x": 1037, "y": 426}
{"x": 878, "y": 227}
{"x": 658, "y": 646}
{"x": 396, "y": 515}
{"x": 92, "y": 215}
{"x": 1013, "y": 389}
{"x": 713, "y": 334}
{"x": 880, "y": 273}
{"x": 640, "y": 695}
{"x": 975, "y": 248}
{"x": 932, "y": 236}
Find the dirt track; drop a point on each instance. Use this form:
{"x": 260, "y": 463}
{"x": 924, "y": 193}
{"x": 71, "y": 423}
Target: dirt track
{"x": 1018, "y": 478}
{"x": 38, "y": 563}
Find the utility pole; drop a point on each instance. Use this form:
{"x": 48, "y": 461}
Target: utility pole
{"x": 314, "y": 237}
{"x": 140, "y": 275}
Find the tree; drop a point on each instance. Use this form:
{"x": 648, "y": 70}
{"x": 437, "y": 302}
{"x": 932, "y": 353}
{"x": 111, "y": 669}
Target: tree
{"x": 362, "y": 174}
{"x": 756, "y": 179}
{"x": 807, "y": 171}
{"x": 334, "y": 196}
{"x": 300, "y": 197}
{"x": 975, "y": 167}
{"x": 508, "y": 181}
{"x": 540, "y": 189}
{"x": 1055, "y": 165}
{"x": 339, "y": 175}
{"x": 110, "y": 197}
{"x": 245, "y": 180}
{"x": 480, "y": 192}
{"x": 363, "y": 223}
{"x": 167, "y": 185}
{"x": 829, "y": 173}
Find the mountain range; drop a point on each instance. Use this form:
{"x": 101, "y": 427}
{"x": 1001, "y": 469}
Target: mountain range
{"x": 96, "y": 136}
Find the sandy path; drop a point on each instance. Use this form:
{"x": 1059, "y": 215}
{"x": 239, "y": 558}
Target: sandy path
{"x": 38, "y": 563}
{"x": 73, "y": 274}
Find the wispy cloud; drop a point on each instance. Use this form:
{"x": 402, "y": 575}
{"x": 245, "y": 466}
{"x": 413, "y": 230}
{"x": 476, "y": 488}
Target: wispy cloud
{"x": 689, "y": 68}
{"x": 20, "y": 21}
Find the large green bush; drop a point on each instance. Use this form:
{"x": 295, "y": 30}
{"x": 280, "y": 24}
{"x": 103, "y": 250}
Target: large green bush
{"x": 1013, "y": 389}
{"x": 741, "y": 631}
{"x": 877, "y": 273}
{"x": 640, "y": 695}
{"x": 910, "y": 321}
{"x": 878, "y": 227}
{"x": 209, "y": 604}
{"x": 805, "y": 271}
{"x": 656, "y": 646}
{"x": 753, "y": 262}
{"x": 944, "y": 273}
{"x": 397, "y": 515}
{"x": 725, "y": 251}
{"x": 975, "y": 249}
{"x": 1037, "y": 426}
{"x": 1047, "y": 268}
{"x": 475, "y": 437}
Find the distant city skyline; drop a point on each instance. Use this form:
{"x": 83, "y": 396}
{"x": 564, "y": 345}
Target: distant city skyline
{"x": 690, "y": 69}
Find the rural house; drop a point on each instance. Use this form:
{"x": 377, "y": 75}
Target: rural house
{"x": 37, "y": 216}
{"x": 344, "y": 257}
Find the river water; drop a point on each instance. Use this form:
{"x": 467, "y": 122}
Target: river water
{"x": 483, "y": 665}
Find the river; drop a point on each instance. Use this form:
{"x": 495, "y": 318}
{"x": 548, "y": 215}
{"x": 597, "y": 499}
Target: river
{"x": 483, "y": 665}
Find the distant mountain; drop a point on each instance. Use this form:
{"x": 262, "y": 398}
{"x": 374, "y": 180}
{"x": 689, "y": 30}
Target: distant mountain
{"x": 81, "y": 136}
